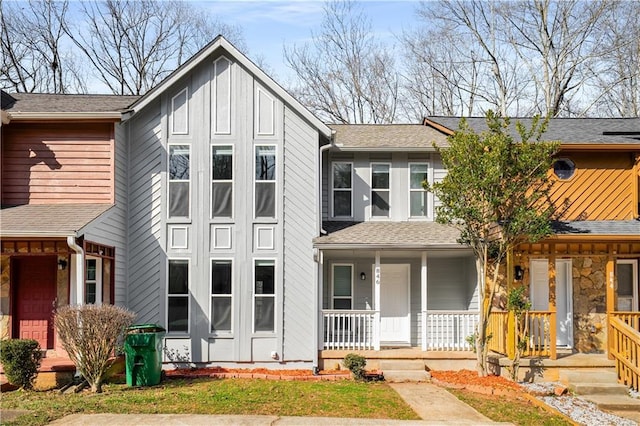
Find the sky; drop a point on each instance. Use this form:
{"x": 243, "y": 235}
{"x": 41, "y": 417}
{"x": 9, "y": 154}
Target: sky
{"x": 268, "y": 25}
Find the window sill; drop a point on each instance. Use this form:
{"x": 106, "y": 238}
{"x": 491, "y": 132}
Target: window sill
{"x": 221, "y": 335}
{"x": 267, "y": 220}
{"x": 179, "y": 221}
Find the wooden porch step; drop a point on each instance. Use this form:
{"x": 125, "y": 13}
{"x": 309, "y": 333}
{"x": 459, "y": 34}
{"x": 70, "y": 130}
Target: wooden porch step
{"x": 594, "y": 376}
{"x": 404, "y": 370}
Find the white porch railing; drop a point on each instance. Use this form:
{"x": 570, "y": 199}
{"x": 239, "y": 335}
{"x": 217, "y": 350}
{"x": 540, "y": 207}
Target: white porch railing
{"x": 350, "y": 329}
{"x": 448, "y": 330}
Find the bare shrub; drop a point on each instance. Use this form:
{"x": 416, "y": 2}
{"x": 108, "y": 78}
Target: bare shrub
{"x": 90, "y": 334}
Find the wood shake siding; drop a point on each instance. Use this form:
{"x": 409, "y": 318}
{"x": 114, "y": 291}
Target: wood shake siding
{"x": 602, "y": 187}
{"x": 58, "y": 163}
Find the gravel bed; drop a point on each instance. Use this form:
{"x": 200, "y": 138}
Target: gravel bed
{"x": 576, "y": 408}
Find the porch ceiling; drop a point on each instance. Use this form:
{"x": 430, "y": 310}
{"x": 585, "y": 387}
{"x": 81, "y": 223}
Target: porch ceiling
{"x": 398, "y": 235}
{"x": 48, "y": 220}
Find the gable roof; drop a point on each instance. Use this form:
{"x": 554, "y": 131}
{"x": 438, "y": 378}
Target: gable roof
{"x": 221, "y": 43}
{"x": 387, "y": 137}
{"x": 568, "y": 131}
{"x": 34, "y": 106}
{"x": 48, "y": 220}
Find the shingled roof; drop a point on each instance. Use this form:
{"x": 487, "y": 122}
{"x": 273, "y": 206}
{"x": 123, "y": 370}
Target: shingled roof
{"x": 386, "y": 136}
{"x": 418, "y": 235}
{"x": 48, "y": 219}
{"x": 564, "y": 130}
{"x": 56, "y": 103}
{"x": 598, "y": 227}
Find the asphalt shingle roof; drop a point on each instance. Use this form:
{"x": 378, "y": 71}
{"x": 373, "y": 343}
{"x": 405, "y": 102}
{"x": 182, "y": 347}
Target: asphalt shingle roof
{"x": 46, "y": 102}
{"x": 59, "y": 219}
{"x": 598, "y": 227}
{"x": 566, "y": 130}
{"x": 388, "y": 234}
{"x": 389, "y": 136}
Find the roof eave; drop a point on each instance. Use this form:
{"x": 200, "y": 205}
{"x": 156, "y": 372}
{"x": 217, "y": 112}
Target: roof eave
{"x": 39, "y": 234}
{"x": 385, "y": 149}
{"x": 598, "y": 237}
{"x": 62, "y": 116}
{"x": 361, "y": 246}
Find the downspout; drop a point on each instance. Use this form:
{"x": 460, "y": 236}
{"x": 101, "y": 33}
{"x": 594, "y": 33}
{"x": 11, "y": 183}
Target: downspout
{"x": 321, "y": 152}
{"x": 77, "y": 279}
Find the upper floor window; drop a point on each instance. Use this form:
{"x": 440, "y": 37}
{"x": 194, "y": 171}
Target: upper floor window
{"x": 264, "y": 296}
{"x": 178, "y": 296}
{"x": 564, "y": 168}
{"x": 265, "y": 190}
{"x": 342, "y": 186}
{"x": 179, "y": 180}
{"x": 418, "y": 196}
{"x": 380, "y": 189}
{"x": 221, "y": 181}
{"x": 221, "y": 295}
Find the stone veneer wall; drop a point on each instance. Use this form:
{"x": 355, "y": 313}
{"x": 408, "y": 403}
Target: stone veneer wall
{"x": 589, "y": 304}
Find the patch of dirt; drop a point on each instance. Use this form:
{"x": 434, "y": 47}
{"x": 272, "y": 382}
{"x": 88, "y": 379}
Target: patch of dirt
{"x": 469, "y": 379}
{"x": 200, "y": 372}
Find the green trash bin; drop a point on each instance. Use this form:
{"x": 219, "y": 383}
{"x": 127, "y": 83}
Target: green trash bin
{"x": 143, "y": 354}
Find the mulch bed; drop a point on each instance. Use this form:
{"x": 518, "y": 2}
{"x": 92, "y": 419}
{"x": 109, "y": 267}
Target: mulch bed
{"x": 256, "y": 373}
{"x": 467, "y": 379}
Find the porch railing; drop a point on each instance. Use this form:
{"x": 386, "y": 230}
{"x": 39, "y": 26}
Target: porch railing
{"x": 539, "y": 334}
{"x": 632, "y": 319}
{"x": 498, "y": 326}
{"x": 350, "y": 329}
{"x": 448, "y": 330}
{"x": 625, "y": 348}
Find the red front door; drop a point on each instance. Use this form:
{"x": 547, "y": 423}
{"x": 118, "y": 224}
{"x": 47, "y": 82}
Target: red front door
{"x": 34, "y": 281}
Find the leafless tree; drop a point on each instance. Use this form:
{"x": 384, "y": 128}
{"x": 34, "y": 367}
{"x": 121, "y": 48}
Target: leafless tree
{"x": 344, "y": 74}
{"x": 34, "y": 58}
{"x": 133, "y": 44}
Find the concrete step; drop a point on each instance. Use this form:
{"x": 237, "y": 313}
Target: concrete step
{"x": 399, "y": 376}
{"x": 599, "y": 389}
{"x": 614, "y": 402}
{"x": 402, "y": 364}
{"x": 589, "y": 376}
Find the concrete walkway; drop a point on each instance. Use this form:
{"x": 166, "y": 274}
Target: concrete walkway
{"x": 434, "y": 405}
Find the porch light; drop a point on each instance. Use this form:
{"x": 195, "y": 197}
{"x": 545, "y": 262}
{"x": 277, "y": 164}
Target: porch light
{"x": 62, "y": 264}
{"x": 518, "y": 273}
{"x": 363, "y": 276}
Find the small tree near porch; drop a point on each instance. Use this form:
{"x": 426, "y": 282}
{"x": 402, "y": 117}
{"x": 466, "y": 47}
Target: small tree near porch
{"x": 496, "y": 193}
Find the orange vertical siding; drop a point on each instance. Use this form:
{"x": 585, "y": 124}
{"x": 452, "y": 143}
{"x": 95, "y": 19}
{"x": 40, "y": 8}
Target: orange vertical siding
{"x": 57, "y": 163}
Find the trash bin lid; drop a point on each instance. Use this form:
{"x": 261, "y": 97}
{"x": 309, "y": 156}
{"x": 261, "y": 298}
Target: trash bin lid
{"x": 145, "y": 328}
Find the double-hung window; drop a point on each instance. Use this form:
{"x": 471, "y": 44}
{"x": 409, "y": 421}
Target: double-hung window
{"x": 342, "y": 186}
{"x": 178, "y": 297}
{"x": 93, "y": 281}
{"x": 221, "y": 295}
{"x": 265, "y": 179}
{"x": 380, "y": 189}
{"x": 264, "y": 296}
{"x": 179, "y": 181}
{"x": 342, "y": 297}
{"x": 221, "y": 181}
{"x": 418, "y": 196}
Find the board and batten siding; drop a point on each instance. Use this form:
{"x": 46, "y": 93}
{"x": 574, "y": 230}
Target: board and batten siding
{"x": 57, "y": 163}
{"x": 300, "y": 227}
{"x": 146, "y": 258}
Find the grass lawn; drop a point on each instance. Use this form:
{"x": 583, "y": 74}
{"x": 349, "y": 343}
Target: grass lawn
{"x": 228, "y": 396}
{"x": 513, "y": 409}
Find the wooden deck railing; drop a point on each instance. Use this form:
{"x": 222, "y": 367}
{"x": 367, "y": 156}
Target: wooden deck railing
{"x": 498, "y": 323}
{"x": 632, "y": 319}
{"x": 540, "y": 338}
{"x": 448, "y": 330}
{"x": 625, "y": 348}
{"x": 539, "y": 334}
{"x": 350, "y": 329}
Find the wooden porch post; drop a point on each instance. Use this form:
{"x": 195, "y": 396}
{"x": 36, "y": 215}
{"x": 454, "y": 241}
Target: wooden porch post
{"x": 552, "y": 303}
{"x": 376, "y": 301}
{"x": 611, "y": 296}
{"x": 511, "y": 318}
{"x": 423, "y": 293}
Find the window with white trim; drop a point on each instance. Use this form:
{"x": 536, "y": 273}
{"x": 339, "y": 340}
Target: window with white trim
{"x": 179, "y": 180}
{"x": 93, "y": 281}
{"x": 221, "y": 181}
{"x": 178, "y": 296}
{"x": 418, "y": 196}
{"x": 380, "y": 189}
{"x": 264, "y": 296}
{"x": 342, "y": 187}
{"x": 221, "y": 295}
{"x": 265, "y": 180}
{"x": 342, "y": 292}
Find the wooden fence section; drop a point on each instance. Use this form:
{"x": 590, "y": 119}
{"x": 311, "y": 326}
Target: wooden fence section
{"x": 498, "y": 328}
{"x": 625, "y": 348}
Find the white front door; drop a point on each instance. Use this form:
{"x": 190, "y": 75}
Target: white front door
{"x": 395, "y": 325}
{"x": 539, "y": 293}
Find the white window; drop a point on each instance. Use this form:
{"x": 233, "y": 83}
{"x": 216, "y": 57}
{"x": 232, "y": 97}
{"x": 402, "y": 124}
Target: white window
{"x": 264, "y": 296}
{"x": 342, "y": 186}
{"x": 179, "y": 180}
{"x": 221, "y": 181}
{"x": 380, "y": 189}
{"x": 342, "y": 292}
{"x": 93, "y": 281}
{"x": 178, "y": 296}
{"x": 221, "y": 295}
{"x": 418, "y": 196}
{"x": 265, "y": 178}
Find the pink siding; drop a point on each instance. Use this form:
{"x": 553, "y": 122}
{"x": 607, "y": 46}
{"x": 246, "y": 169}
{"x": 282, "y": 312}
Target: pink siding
{"x": 57, "y": 163}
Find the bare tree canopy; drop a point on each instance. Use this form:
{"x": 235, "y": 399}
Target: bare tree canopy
{"x": 344, "y": 74}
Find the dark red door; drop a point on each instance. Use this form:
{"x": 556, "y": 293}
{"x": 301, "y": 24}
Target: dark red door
{"x": 34, "y": 280}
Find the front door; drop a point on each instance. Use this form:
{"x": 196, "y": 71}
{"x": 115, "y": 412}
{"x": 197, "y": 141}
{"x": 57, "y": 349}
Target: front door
{"x": 539, "y": 293}
{"x": 395, "y": 325}
{"x": 34, "y": 281}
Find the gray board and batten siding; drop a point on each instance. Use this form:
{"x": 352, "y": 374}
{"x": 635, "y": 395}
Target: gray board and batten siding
{"x": 221, "y": 101}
